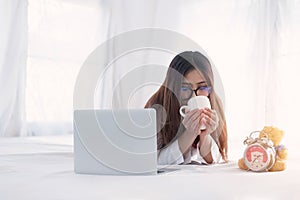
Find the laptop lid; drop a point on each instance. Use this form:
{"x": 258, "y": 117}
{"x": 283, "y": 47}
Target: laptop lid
{"x": 115, "y": 142}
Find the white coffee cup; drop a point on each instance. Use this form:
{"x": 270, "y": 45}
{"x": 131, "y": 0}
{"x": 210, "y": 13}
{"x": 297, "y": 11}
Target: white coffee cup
{"x": 197, "y": 102}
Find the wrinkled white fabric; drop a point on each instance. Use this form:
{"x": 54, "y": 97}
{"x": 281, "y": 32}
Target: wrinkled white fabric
{"x": 13, "y": 56}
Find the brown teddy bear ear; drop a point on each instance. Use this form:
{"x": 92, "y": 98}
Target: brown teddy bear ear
{"x": 265, "y": 132}
{"x": 267, "y": 129}
{"x": 273, "y": 133}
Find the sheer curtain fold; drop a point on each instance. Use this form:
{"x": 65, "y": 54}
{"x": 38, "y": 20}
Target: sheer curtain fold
{"x": 13, "y": 55}
{"x": 62, "y": 33}
{"x": 127, "y": 16}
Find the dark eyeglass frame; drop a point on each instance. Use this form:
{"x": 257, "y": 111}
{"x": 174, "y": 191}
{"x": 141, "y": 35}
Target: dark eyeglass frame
{"x": 201, "y": 88}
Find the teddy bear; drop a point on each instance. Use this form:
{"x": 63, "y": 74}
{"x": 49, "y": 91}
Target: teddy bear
{"x": 275, "y": 135}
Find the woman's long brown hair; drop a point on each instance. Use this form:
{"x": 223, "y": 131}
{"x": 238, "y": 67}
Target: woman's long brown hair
{"x": 168, "y": 98}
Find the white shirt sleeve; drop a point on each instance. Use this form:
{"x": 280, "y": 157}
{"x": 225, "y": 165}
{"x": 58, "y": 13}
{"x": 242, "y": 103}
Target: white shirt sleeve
{"x": 170, "y": 155}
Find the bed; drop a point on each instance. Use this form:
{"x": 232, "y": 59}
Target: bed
{"x": 42, "y": 168}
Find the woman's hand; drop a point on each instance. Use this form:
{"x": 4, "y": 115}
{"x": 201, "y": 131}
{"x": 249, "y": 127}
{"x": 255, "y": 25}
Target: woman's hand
{"x": 210, "y": 119}
{"x": 191, "y": 121}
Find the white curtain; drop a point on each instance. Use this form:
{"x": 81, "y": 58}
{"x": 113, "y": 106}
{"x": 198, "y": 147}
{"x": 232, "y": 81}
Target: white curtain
{"x": 287, "y": 60}
{"x": 127, "y": 16}
{"x": 62, "y": 33}
{"x": 13, "y": 54}
{"x": 252, "y": 43}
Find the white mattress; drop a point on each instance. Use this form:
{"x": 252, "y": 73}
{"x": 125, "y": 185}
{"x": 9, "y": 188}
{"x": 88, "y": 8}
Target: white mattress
{"x": 42, "y": 168}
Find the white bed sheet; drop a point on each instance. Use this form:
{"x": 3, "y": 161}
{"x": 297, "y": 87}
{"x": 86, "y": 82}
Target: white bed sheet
{"x": 42, "y": 168}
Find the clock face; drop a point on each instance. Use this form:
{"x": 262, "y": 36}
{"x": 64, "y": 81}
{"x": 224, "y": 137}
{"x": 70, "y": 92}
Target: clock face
{"x": 256, "y": 157}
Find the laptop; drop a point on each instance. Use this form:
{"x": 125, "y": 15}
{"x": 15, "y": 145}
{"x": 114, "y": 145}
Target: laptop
{"x": 115, "y": 142}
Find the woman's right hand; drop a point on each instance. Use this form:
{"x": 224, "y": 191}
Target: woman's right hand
{"x": 191, "y": 121}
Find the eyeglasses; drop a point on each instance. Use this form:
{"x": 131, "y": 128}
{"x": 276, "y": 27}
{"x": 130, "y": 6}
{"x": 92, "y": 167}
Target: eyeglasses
{"x": 187, "y": 92}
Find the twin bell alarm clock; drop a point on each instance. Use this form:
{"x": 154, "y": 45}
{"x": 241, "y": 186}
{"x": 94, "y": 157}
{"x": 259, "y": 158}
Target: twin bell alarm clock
{"x": 259, "y": 155}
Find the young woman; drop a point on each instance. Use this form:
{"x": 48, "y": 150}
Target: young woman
{"x": 180, "y": 140}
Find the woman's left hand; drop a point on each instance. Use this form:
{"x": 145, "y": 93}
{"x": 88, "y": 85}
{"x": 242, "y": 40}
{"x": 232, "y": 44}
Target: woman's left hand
{"x": 210, "y": 119}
